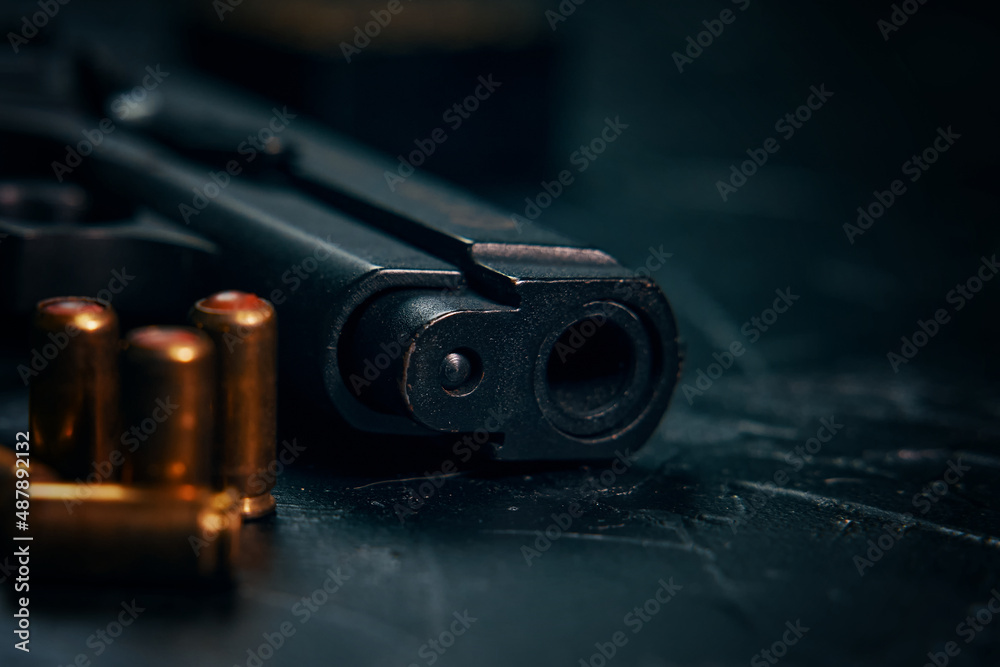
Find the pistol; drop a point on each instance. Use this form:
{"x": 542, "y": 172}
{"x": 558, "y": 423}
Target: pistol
{"x": 406, "y": 307}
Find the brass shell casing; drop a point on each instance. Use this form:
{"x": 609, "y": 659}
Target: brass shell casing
{"x": 74, "y": 399}
{"x": 244, "y": 330}
{"x": 117, "y": 533}
{"x": 168, "y": 386}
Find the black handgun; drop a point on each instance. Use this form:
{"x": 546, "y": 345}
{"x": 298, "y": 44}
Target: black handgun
{"x": 415, "y": 309}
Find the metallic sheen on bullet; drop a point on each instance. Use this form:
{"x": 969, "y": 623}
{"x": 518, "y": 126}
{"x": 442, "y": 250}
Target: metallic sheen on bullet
{"x": 74, "y": 398}
{"x": 244, "y": 330}
{"x": 119, "y": 533}
{"x": 168, "y": 386}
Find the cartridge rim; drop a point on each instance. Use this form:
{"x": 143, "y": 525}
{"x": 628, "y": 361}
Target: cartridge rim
{"x": 231, "y": 300}
{"x": 83, "y": 312}
{"x": 256, "y": 507}
{"x": 71, "y": 305}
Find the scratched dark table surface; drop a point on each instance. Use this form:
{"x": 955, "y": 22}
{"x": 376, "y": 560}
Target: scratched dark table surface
{"x": 861, "y": 546}
{"x": 810, "y": 506}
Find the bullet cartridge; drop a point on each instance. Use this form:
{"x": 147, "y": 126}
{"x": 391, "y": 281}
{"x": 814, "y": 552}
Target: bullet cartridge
{"x": 168, "y": 386}
{"x": 74, "y": 398}
{"x": 116, "y": 533}
{"x": 244, "y": 330}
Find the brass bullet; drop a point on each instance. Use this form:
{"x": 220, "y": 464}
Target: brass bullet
{"x": 168, "y": 385}
{"x": 121, "y": 533}
{"x": 244, "y": 330}
{"x": 73, "y": 401}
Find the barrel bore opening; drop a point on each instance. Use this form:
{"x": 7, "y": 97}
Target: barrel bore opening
{"x": 590, "y": 367}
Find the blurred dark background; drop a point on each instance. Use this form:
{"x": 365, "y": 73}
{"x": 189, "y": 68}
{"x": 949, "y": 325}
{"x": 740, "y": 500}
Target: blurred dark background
{"x": 658, "y": 184}
{"x": 655, "y": 186}
{"x": 892, "y": 90}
